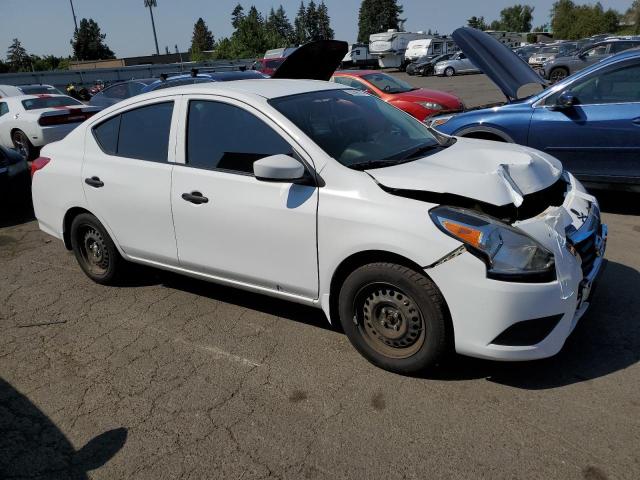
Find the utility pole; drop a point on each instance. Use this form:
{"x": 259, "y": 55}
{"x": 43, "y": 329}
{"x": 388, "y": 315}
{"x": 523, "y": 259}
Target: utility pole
{"x": 151, "y": 4}
{"x": 73, "y": 12}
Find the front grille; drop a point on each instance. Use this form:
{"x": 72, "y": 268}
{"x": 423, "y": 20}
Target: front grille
{"x": 588, "y": 251}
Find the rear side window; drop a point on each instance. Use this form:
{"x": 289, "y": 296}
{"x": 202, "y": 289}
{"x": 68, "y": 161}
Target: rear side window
{"x": 4, "y": 109}
{"x": 49, "y": 102}
{"x": 224, "y": 137}
{"x": 142, "y": 133}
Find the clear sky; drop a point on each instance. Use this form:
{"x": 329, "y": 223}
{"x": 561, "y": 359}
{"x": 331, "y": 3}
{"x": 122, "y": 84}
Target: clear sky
{"x": 46, "y": 26}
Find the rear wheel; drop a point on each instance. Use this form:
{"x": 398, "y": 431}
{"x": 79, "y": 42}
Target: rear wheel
{"x": 95, "y": 251}
{"x": 449, "y": 72}
{"x": 23, "y": 145}
{"x": 394, "y": 316}
{"x": 558, "y": 74}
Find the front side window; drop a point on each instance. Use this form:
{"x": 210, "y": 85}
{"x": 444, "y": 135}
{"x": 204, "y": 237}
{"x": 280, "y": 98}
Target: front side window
{"x": 601, "y": 50}
{"x": 620, "y": 85}
{"x": 358, "y": 129}
{"x": 141, "y": 133}
{"x": 4, "y": 109}
{"x": 119, "y": 91}
{"x": 225, "y": 137}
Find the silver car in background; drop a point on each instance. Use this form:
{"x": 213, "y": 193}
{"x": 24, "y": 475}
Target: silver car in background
{"x": 456, "y": 65}
{"x": 561, "y": 67}
{"x": 551, "y": 52}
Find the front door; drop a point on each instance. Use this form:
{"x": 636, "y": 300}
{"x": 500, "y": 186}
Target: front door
{"x": 599, "y": 137}
{"x": 249, "y": 231}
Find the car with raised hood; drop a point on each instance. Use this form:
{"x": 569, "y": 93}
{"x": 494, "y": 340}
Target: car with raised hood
{"x": 413, "y": 241}
{"x": 28, "y": 122}
{"x": 590, "y": 121}
{"x": 419, "y": 102}
{"x": 558, "y": 68}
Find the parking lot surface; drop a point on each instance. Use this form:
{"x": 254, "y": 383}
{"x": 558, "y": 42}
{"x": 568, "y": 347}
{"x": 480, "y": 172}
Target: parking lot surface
{"x": 170, "y": 377}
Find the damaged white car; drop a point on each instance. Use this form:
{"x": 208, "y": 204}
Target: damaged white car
{"x": 414, "y": 241}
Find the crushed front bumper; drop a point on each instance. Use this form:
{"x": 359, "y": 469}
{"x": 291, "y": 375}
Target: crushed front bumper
{"x": 482, "y": 309}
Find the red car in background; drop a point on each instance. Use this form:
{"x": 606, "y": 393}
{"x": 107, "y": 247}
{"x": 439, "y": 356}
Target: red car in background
{"x": 267, "y": 65}
{"x": 419, "y": 102}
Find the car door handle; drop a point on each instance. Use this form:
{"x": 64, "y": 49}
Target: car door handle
{"x": 195, "y": 197}
{"x": 94, "y": 182}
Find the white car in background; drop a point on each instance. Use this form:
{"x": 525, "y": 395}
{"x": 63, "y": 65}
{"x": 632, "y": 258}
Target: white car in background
{"x": 327, "y": 196}
{"x": 456, "y": 65}
{"x": 28, "y": 122}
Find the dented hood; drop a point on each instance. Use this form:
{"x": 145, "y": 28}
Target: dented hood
{"x": 490, "y": 172}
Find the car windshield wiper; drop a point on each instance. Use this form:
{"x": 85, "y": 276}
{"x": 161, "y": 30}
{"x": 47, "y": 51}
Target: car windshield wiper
{"x": 416, "y": 152}
{"x": 374, "y": 164}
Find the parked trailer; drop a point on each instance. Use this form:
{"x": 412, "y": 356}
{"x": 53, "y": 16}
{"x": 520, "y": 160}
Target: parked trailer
{"x": 359, "y": 56}
{"x": 432, "y": 46}
{"x": 391, "y": 45}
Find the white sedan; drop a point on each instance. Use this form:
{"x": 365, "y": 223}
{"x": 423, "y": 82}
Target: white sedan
{"x": 324, "y": 195}
{"x": 28, "y": 122}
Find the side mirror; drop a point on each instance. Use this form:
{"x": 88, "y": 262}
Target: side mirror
{"x": 278, "y": 168}
{"x": 565, "y": 100}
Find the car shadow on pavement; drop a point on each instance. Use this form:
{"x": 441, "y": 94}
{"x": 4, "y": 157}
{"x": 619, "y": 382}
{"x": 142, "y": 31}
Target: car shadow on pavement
{"x": 606, "y": 340}
{"x": 32, "y": 446}
{"x": 245, "y": 299}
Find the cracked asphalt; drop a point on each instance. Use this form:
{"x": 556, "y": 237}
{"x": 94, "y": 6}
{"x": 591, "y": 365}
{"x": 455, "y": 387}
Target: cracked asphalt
{"x": 173, "y": 378}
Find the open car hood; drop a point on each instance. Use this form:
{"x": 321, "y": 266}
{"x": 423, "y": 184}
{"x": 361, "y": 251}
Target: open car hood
{"x": 508, "y": 71}
{"x": 314, "y": 60}
{"x": 490, "y": 172}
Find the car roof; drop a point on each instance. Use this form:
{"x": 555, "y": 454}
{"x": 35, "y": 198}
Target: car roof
{"x": 265, "y": 88}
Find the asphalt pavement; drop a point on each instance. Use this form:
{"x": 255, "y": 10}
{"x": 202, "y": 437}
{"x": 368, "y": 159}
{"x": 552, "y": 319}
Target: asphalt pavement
{"x": 174, "y": 378}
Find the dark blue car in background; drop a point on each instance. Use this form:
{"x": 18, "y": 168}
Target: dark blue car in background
{"x": 590, "y": 120}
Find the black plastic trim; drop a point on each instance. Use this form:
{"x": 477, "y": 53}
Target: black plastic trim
{"x": 528, "y": 332}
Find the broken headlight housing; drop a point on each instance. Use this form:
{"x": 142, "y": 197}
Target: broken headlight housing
{"x": 509, "y": 253}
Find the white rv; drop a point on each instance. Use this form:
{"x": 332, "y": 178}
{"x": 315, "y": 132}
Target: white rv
{"x": 389, "y": 47}
{"x": 359, "y": 56}
{"x": 434, "y": 45}
{"x": 279, "y": 52}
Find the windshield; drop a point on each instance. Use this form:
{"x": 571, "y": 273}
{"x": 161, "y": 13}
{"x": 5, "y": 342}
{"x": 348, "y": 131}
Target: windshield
{"x": 387, "y": 83}
{"x": 358, "y": 129}
{"x": 49, "y": 102}
{"x": 549, "y": 50}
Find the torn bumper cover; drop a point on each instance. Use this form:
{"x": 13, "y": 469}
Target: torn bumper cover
{"x": 503, "y": 320}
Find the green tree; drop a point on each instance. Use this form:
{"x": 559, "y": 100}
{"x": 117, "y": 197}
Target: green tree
{"x": 514, "y": 19}
{"x": 632, "y": 16}
{"x": 278, "y": 29}
{"x": 88, "y": 42}
{"x": 377, "y": 16}
{"x": 312, "y": 21}
{"x": 477, "y": 22}
{"x": 202, "y": 39}
{"x": 237, "y": 16}
{"x": 572, "y": 21}
{"x": 49, "y": 62}
{"x": 325, "y": 32}
{"x": 301, "y": 34}
{"x": 17, "y": 57}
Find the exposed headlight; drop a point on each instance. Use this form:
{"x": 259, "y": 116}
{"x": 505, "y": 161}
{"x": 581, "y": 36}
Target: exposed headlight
{"x": 436, "y": 122}
{"x": 509, "y": 253}
{"x": 431, "y": 105}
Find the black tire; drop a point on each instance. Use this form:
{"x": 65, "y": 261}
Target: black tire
{"x": 95, "y": 251}
{"x": 394, "y": 316}
{"x": 449, "y": 72}
{"x": 23, "y": 145}
{"x": 558, "y": 74}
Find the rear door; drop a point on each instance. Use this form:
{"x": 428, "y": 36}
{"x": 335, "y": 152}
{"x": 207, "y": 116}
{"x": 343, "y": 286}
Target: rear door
{"x": 600, "y": 137}
{"x": 249, "y": 231}
{"x": 126, "y": 177}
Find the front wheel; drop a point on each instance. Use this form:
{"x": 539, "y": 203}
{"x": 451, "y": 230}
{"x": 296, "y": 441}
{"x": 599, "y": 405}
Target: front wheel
{"x": 95, "y": 251}
{"x": 558, "y": 74}
{"x": 449, "y": 72}
{"x": 394, "y": 316}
